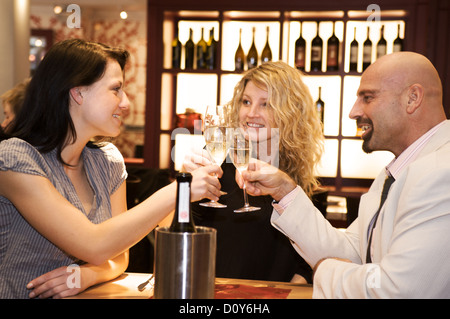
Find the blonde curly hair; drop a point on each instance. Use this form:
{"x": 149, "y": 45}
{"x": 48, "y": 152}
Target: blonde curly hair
{"x": 293, "y": 113}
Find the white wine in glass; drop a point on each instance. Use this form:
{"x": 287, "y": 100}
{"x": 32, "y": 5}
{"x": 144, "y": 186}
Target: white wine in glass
{"x": 216, "y": 142}
{"x": 215, "y": 138}
{"x": 240, "y": 154}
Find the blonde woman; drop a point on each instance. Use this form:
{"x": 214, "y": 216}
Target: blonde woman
{"x": 275, "y": 105}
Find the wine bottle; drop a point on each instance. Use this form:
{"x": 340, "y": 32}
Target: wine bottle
{"x": 316, "y": 52}
{"x": 381, "y": 45}
{"x": 252, "y": 56}
{"x": 239, "y": 57}
{"x": 333, "y": 51}
{"x": 398, "y": 42}
{"x": 211, "y": 60}
{"x": 367, "y": 51}
{"x": 176, "y": 51}
{"x": 320, "y": 106}
{"x": 266, "y": 54}
{"x": 354, "y": 53}
{"x": 182, "y": 220}
{"x": 189, "y": 52}
{"x": 300, "y": 51}
{"x": 201, "y": 52}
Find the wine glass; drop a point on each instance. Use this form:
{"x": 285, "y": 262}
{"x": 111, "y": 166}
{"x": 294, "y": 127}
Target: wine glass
{"x": 240, "y": 153}
{"x": 215, "y": 137}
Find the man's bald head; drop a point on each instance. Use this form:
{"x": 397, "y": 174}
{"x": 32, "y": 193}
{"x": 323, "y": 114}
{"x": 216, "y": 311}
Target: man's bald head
{"x": 399, "y": 100}
{"x": 404, "y": 69}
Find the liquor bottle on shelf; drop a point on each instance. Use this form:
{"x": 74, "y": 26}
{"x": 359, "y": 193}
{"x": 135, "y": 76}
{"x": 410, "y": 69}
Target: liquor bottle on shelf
{"x": 252, "y": 55}
{"x": 239, "y": 57}
{"x": 354, "y": 53}
{"x": 300, "y": 51}
{"x": 333, "y": 51}
{"x": 189, "y": 52}
{"x": 211, "y": 60}
{"x": 266, "y": 54}
{"x": 398, "y": 42}
{"x": 176, "y": 51}
{"x": 320, "y": 106}
{"x": 367, "y": 51}
{"x": 201, "y": 52}
{"x": 381, "y": 45}
{"x": 316, "y": 52}
{"x": 182, "y": 220}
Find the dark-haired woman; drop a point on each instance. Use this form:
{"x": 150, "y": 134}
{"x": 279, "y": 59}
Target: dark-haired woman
{"x": 62, "y": 190}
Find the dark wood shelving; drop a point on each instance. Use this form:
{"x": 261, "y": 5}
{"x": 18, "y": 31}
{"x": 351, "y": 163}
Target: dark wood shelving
{"x": 161, "y": 13}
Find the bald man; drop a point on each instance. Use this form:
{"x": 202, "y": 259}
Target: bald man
{"x": 402, "y": 249}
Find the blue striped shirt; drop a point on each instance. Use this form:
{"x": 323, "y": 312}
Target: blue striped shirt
{"x": 24, "y": 253}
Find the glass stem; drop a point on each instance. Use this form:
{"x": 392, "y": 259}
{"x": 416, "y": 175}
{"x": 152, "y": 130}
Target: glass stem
{"x": 245, "y": 197}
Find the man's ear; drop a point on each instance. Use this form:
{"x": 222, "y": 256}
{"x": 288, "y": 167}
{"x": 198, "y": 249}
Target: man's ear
{"x": 76, "y": 95}
{"x": 414, "y": 97}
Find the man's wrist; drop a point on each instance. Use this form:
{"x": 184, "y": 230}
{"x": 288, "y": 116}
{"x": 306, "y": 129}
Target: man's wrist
{"x": 284, "y": 190}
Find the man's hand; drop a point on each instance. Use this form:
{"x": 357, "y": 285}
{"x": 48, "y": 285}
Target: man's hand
{"x": 263, "y": 179}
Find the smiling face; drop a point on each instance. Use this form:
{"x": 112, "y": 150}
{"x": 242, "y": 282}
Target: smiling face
{"x": 377, "y": 112}
{"x": 100, "y": 107}
{"x": 255, "y": 112}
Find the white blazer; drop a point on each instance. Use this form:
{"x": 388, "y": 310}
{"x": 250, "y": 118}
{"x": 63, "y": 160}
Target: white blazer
{"x": 411, "y": 244}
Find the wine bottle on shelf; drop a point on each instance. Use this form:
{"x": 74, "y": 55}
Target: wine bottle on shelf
{"x": 182, "y": 220}
{"x": 316, "y": 52}
{"x": 201, "y": 52}
{"x": 381, "y": 45}
{"x": 320, "y": 106}
{"x": 333, "y": 51}
{"x": 211, "y": 60}
{"x": 354, "y": 53}
{"x": 252, "y": 55}
{"x": 300, "y": 51}
{"x": 266, "y": 54}
{"x": 398, "y": 42}
{"x": 239, "y": 56}
{"x": 189, "y": 52}
{"x": 176, "y": 51}
{"x": 367, "y": 51}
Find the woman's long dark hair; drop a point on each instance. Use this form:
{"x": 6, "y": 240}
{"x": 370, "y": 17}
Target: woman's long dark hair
{"x": 44, "y": 120}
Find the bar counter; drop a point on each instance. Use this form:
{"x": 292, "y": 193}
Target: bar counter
{"x": 126, "y": 287}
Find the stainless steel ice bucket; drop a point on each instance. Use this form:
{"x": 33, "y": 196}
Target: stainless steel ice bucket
{"x": 185, "y": 264}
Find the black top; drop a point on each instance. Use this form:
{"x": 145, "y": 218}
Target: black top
{"x": 248, "y": 246}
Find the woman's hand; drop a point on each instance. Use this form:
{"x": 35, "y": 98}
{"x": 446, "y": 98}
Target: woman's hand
{"x": 205, "y": 183}
{"x": 196, "y": 159}
{"x": 70, "y": 280}
{"x": 57, "y": 283}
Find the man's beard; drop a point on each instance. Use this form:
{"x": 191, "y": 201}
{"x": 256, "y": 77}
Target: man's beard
{"x": 365, "y": 146}
{"x": 366, "y": 140}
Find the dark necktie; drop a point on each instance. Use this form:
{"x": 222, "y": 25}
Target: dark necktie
{"x": 387, "y": 184}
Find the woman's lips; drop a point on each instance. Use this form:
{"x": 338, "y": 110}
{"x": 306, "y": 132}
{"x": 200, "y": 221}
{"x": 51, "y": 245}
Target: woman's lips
{"x": 255, "y": 125}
